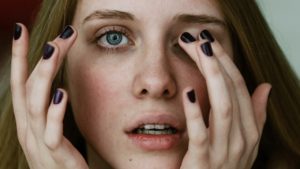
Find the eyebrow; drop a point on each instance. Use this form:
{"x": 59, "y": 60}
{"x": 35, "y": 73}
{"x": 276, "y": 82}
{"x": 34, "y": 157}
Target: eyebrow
{"x": 109, "y": 14}
{"x": 201, "y": 19}
{"x": 184, "y": 18}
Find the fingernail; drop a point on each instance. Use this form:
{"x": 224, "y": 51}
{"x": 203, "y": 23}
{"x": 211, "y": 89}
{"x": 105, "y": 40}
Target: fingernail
{"x": 67, "y": 32}
{"x": 206, "y": 48}
{"x": 206, "y": 35}
{"x": 187, "y": 37}
{"x": 17, "y": 31}
{"x": 48, "y": 51}
{"x": 58, "y": 95}
{"x": 191, "y": 96}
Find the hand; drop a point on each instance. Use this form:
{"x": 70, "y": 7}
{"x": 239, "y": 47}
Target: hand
{"x": 236, "y": 119}
{"x": 40, "y": 126}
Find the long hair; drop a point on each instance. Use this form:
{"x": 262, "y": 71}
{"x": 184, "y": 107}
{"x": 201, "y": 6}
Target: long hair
{"x": 256, "y": 53}
{"x": 50, "y": 21}
{"x": 260, "y": 59}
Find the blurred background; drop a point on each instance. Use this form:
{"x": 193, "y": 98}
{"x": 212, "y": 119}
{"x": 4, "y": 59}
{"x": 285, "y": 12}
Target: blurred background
{"x": 12, "y": 11}
{"x": 282, "y": 15}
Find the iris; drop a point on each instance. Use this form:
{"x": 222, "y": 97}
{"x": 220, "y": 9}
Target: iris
{"x": 114, "y": 38}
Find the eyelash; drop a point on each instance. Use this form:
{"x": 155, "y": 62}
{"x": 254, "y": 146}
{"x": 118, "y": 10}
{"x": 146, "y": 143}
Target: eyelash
{"x": 116, "y": 29}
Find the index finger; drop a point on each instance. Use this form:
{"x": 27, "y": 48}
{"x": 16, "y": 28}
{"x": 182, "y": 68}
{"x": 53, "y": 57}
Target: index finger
{"x": 19, "y": 74}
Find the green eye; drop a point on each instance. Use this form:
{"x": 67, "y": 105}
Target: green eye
{"x": 114, "y": 38}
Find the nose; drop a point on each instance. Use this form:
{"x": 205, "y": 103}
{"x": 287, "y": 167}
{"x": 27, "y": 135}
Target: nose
{"x": 154, "y": 79}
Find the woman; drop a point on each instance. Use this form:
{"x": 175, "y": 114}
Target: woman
{"x": 167, "y": 85}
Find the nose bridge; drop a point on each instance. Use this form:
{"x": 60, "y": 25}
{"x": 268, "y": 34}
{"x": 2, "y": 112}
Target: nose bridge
{"x": 154, "y": 77}
{"x": 155, "y": 60}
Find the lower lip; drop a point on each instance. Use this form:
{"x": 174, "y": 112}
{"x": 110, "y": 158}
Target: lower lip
{"x": 155, "y": 142}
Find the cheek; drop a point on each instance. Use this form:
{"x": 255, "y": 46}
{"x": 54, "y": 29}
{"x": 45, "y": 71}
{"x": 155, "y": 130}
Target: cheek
{"x": 93, "y": 93}
{"x": 189, "y": 75}
{"x": 199, "y": 84}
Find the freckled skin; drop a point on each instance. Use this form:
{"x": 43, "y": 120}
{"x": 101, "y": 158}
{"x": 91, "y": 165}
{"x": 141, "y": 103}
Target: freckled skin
{"x": 105, "y": 87}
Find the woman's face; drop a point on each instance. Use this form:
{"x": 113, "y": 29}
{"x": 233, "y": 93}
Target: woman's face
{"x": 126, "y": 74}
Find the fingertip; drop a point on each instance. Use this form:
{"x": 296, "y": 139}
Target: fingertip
{"x": 186, "y": 38}
{"x": 189, "y": 95}
{"x": 20, "y": 41}
{"x": 262, "y": 92}
{"x": 260, "y": 101}
{"x": 54, "y": 126}
{"x": 19, "y": 32}
{"x": 59, "y": 96}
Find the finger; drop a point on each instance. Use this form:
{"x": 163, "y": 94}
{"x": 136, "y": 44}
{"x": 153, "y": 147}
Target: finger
{"x": 197, "y": 154}
{"x": 64, "y": 41}
{"x": 219, "y": 96}
{"x": 260, "y": 100}
{"x": 220, "y": 99}
{"x": 54, "y": 127}
{"x": 19, "y": 74}
{"x": 38, "y": 86}
{"x": 39, "y": 83}
{"x": 240, "y": 88}
{"x": 241, "y": 101}
{"x": 61, "y": 149}
{"x": 188, "y": 42}
{"x": 251, "y": 127}
{"x": 67, "y": 155}
{"x": 196, "y": 128}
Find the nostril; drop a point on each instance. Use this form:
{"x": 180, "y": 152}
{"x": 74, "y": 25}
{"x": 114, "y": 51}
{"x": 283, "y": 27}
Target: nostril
{"x": 166, "y": 93}
{"x": 144, "y": 91}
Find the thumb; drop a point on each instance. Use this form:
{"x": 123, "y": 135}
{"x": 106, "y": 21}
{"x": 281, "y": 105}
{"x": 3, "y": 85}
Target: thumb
{"x": 259, "y": 101}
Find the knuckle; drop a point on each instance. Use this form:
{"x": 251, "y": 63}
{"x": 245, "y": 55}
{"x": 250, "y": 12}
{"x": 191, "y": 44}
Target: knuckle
{"x": 227, "y": 110}
{"x": 51, "y": 143}
{"x": 239, "y": 81}
{"x": 215, "y": 71}
{"x": 44, "y": 72}
{"x": 253, "y": 138}
{"x": 220, "y": 161}
{"x": 239, "y": 147}
{"x": 71, "y": 164}
{"x": 32, "y": 108}
{"x": 31, "y": 103}
{"x": 199, "y": 140}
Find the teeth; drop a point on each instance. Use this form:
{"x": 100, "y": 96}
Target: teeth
{"x": 155, "y": 132}
{"x": 156, "y": 126}
{"x": 155, "y": 129}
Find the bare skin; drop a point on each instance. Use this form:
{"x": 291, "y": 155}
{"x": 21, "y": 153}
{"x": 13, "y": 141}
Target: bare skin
{"x": 111, "y": 92}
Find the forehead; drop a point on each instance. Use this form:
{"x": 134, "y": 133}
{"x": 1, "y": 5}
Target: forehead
{"x": 149, "y": 10}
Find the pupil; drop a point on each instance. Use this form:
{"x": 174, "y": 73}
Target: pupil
{"x": 114, "y": 38}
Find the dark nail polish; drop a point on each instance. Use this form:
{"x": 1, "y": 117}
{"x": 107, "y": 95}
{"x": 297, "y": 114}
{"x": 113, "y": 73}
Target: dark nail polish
{"x": 206, "y": 48}
{"x": 187, "y": 37}
{"x": 205, "y": 34}
{"x": 17, "y": 31}
{"x": 48, "y": 51}
{"x": 58, "y": 95}
{"x": 191, "y": 96}
{"x": 67, "y": 32}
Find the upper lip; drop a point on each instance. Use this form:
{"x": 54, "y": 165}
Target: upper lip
{"x": 155, "y": 118}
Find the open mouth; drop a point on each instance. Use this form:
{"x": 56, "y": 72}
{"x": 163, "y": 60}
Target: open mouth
{"x": 155, "y": 129}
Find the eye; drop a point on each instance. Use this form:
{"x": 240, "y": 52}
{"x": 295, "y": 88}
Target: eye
{"x": 113, "y": 39}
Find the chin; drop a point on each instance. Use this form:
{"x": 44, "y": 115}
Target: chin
{"x": 154, "y": 160}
